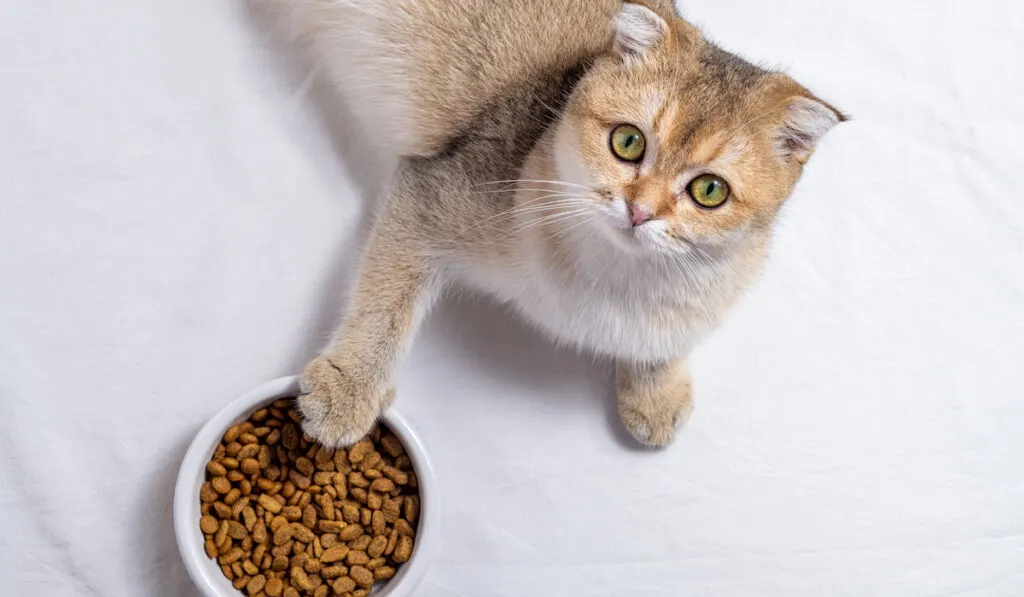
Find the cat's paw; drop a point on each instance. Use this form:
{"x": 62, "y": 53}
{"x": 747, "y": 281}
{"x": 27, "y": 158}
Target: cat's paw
{"x": 652, "y": 413}
{"x": 337, "y": 410}
{"x": 654, "y": 425}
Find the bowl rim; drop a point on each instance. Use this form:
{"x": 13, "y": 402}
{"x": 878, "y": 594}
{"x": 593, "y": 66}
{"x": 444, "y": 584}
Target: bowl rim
{"x": 206, "y": 574}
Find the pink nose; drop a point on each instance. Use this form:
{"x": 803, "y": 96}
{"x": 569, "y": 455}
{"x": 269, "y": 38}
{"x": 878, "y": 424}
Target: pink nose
{"x": 637, "y": 214}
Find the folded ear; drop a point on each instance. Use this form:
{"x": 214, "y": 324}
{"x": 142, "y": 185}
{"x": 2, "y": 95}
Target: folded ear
{"x": 805, "y": 121}
{"x": 637, "y": 29}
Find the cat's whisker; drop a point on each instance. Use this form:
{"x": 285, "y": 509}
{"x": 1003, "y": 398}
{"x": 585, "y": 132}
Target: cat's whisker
{"x": 515, "y": 180}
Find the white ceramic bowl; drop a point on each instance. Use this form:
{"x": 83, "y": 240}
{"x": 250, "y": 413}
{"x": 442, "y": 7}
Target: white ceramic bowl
{"x": 206, "y": 573}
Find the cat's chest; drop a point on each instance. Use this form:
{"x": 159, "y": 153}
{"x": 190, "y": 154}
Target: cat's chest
{"x": 634, "y": 314}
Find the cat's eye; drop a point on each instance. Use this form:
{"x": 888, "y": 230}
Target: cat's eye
{"x": 628, "y": 143}
{"x": 708, "y": 190}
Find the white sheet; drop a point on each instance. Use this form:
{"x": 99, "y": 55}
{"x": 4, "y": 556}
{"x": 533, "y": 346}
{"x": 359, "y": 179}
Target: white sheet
{"x": 177, "y": 227}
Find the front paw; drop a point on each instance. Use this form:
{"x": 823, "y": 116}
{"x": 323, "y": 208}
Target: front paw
{"x": 337, "y": 410}
{"x": 655, "y": 401}
{"x": 653, "y": 425}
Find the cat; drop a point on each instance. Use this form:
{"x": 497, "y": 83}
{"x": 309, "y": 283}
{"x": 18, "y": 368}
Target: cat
{"x": 596, "y": 164}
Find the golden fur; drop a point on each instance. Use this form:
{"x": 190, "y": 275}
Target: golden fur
{"x": 502, "y": 111}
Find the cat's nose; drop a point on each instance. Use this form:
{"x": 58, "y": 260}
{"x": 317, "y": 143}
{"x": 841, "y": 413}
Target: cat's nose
{"x": 638, "y": 215}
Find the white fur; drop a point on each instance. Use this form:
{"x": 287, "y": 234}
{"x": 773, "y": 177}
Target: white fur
{"x": 637, "y": 28}
{"x": 806, "y": 123}
{"x": 349, "y": 40}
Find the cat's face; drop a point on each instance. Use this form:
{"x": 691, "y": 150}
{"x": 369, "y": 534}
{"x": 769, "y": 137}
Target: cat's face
{"x": 682, "y": 146}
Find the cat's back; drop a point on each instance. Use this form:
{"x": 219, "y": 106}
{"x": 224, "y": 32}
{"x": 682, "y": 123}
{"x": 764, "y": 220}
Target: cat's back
{"x": 420, "y": 70}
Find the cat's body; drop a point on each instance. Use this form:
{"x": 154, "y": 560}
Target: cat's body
{"x": 507, "y": 115}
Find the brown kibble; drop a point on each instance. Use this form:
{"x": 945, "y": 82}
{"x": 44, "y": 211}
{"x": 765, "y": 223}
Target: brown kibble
{"x": 377, "y": 546}
{"x": 283, "y": 534}
{"x": 207, "y": 492}
{"x": 236, "y": 530}
{"x": 369, "y": 461}
{"x": 362, "y": 576}
{"x": 222, "y": 533}
{"x": 286, "y": 517}
{"x": 391, "y": 445}
{"x": 398, "y": 476}
{"x": 233, "y": 555}
{"x": 312, "y": 566}
{"x": 274, "y": 587}
{"x": 335, "y": 571}
{"x": 279, "y": 564}
{"x": 258, "y": 552}
{"x": 360, "y": 543}
{"x": 250, "y": 568}
{"x": 304, "y": 466}
{"x": 247, "y": 452}
{"x": 216, "y": 469}
{"x": 302, "y": 533}
{"x": 231, "y": 434}
{"x": 309, "y": 516}
{"x": 412, "y": 508}
{"x": 208, "y": 525}
{"x": 232, "y": 496}
{"x": 250, "y": 466}
{"x": 350, "y": 532}
{"x": 269, "y": 503}
{"x": 392, "y": 507}
{"x": 356, "y": 558}
{"x": 331, "y": 526}
{"x": 277, "y": 522}
{"x": 357, "y": 452}
{"x": 249, "y": 518}
{"x": 211, "y": 548}
{"x": 343, "y": 585}
{"x": 300, "y": 481}
{"x": 300, "y": 579}
{"x": 359, "y": 493}
{"x": 403, "y": 551}
{"x": 290, "y": 437}
{"x": 256, "y": 584}
{"x": 350, "y": 514}
{"x": 334, "y": 554}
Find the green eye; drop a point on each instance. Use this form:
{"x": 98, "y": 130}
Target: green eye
{"x": 628, "y": 143}
{"x": 708, "y": 190}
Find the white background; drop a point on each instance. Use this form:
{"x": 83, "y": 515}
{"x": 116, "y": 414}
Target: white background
{"x": 177, "y": 225}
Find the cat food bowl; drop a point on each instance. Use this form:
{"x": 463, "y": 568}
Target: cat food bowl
{"x": 207, "y": 573}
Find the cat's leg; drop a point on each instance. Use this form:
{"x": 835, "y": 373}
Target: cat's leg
{"x": 346, "y": 388}
{"x": 654, "y": 399}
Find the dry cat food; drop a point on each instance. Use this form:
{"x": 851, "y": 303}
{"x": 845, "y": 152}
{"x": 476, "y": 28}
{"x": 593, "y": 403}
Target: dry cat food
{"x": 286, "y": 517}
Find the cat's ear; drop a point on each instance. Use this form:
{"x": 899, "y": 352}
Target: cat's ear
{"x": 637, "y": 29}
{"x": 805, "y": 120}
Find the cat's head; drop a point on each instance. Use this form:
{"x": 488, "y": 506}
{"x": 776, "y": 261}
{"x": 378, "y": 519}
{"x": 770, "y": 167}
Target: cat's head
{"x": 681, "y": 144}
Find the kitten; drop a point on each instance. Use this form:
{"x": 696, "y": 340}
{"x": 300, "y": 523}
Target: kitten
{"x": 598, "y": 165}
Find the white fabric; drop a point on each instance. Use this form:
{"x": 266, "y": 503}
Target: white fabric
{"x": 177, "y": 226}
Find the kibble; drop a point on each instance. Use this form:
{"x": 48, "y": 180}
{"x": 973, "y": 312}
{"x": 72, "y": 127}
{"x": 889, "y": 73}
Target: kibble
{"x": 284, "y": 517}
